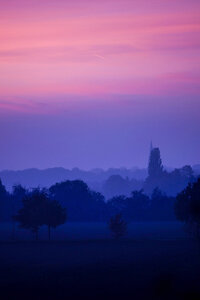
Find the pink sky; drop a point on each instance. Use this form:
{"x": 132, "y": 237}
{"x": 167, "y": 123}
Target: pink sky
{"x": 129, "y": 58}
{"x": 91, "y": 48}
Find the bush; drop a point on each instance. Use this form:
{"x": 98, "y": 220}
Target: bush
{"x": 117, "y": 226}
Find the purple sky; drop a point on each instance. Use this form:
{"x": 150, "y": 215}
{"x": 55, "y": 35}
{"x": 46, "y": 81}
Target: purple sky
{"x": 108, "y": 133}
{"x": 89, "y": 83}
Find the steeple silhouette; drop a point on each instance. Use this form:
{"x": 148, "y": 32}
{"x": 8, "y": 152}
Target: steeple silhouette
{"x": 151, "y": 146}
{"x": 155, "y": 167}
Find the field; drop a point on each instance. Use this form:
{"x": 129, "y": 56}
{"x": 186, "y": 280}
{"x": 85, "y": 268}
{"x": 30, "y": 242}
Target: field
{"x": 154, "y": 261}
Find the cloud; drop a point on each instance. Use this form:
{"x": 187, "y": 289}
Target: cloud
{"x": 126, "y": 51}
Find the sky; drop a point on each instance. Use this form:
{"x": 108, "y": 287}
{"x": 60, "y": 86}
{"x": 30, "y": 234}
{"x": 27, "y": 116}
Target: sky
{"x": 89, "y": 84}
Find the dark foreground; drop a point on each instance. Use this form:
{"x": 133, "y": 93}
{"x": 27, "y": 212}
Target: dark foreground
{"x": 101, "y": 269}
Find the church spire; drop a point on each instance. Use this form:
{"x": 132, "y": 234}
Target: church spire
{"x": 151, "y": 146}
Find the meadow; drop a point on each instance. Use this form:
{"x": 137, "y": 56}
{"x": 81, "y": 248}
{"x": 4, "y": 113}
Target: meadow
{"x": 154, "y": 261}
{"x": 99, "y": 230}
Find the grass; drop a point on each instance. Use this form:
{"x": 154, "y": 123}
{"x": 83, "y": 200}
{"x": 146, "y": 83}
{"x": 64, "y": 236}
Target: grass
{"x": 153, "y": 262}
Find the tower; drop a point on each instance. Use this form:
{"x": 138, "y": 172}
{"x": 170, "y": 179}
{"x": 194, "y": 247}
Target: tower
{"x": 155, "y": 167}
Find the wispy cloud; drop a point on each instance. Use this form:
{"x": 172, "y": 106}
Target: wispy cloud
{"x": 64, "y": 48}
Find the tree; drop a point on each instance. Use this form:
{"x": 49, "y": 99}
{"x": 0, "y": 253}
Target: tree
{"x": 155, "y": 167}
{"x": 162, "y": 206}
{"x": 81, "y": 203}
{"x": 117, "y": 226}
{"x": 32, "y": 214}
{"x": 55, "y": 215}
{"x": 18, "y": 193}
{"x": 136, "y": 206}
{"x": 4, "y": 203}
{"x": 117, "y": 205}
{"x": 187, "y": 171}
{"x": 116, "y": 185}
{"x": 38, "y": 209}
{"x": 187, "y": 206}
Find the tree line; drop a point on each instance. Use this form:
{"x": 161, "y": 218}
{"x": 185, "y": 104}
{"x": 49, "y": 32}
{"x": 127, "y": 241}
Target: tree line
{"x": 75, "y": 202}
{"x": 170, "y": 183}
{"x": 82, "y": 204}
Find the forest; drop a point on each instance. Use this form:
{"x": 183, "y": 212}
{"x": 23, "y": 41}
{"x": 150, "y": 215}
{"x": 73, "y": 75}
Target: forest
{"x": 74, "y": 201}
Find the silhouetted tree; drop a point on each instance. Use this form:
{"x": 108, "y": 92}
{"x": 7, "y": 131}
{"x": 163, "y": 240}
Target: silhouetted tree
{"x": 38, "y": 209}
{"x": 117, "y": 205}
{"x": 33, "y": 215}
{"x": 187, "y": 206}
{"x": 18, "y": 193}
{"x": 5, "y": 206}
{"x": 162, "y": 206}
{"x": 81, "y": 203}
{"x": 187, "y": 171}
{"x": 55, "y": 215}
{"x": 136, "y": 206}
{"x": 117, "y": 226}
{"x": 117, "y": 185}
